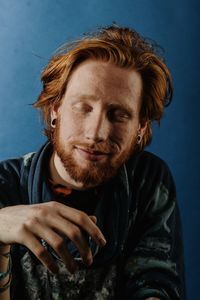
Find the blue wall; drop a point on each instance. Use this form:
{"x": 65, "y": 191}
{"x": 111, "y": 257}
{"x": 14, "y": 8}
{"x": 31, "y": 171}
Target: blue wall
{"x": 31, "y": 30}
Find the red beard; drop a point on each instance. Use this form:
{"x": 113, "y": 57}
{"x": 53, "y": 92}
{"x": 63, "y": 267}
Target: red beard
{"x": 95, "y": 173}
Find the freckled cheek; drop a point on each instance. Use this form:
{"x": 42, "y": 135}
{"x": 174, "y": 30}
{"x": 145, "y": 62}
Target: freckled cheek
{"x": 70, "y": 130}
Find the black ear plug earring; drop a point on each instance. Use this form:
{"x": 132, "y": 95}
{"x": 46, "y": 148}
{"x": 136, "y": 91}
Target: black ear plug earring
{"x": 53, "y": 123}
{"x": 139, "y": 139}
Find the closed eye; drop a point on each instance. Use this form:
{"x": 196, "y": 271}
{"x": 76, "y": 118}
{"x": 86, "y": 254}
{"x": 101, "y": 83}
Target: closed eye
{"x": 82, "y": 107}
{"x": 118, "y": 115}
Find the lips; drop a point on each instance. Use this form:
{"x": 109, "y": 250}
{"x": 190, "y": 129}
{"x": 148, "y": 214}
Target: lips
{"x": 92, "y": 155}
{"x": 95, "y": 152}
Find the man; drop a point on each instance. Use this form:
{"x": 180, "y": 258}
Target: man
{"x": 92, "y": 215}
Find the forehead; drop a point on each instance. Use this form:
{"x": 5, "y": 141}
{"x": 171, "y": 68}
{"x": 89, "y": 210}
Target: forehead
{"x": 104, "y": 81}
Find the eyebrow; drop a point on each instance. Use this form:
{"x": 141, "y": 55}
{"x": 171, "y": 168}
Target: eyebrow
{"x": 83, "y": 97}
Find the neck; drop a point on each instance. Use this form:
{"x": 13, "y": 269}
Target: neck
{"x": 60, "y": 176}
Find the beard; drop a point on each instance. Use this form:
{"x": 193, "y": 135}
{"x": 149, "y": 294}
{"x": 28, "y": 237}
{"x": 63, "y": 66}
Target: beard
{"x": 94, "y": 173}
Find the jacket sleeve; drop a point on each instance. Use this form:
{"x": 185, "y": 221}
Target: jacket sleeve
{"x": 153, "y": 263}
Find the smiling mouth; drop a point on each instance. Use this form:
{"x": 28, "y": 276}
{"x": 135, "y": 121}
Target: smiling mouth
{"x": 92, "y": 155}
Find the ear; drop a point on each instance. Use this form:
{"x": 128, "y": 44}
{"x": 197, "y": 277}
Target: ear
{"x": 142, "y": 127}
{"x": 54, "y": 113}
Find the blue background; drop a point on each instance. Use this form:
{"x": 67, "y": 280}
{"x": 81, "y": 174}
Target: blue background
{"x": 30, "y": 31}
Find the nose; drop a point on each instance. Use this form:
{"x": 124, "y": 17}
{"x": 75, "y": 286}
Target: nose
{"x": 97, "y": 128}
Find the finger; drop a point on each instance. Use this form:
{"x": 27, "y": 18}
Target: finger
{"x": 76, "y": 235}
{"x": 58, "y": 244}
{"x": 83, "y": 221}
{"x": 32, "y": 243}
{"x": 55, "y": 241}
{"x": 79, "y": 238}
{"x": 53, "y": 221}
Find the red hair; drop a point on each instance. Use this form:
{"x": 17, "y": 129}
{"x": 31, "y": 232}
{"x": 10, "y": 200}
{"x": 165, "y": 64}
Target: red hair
{"x": 123, "y": 47}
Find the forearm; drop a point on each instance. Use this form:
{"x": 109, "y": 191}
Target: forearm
{"x": 4, "y": 267}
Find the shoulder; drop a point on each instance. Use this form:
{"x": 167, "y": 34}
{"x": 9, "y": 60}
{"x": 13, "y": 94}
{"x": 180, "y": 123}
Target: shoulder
{"x": 146, "y": 162}
{"x": 12, "y": 171}
{"x": 146, "y": 169}
{"x": 151, "y": 184}
{"x": 12, "y": 168}
{"x": 17, "y": 168}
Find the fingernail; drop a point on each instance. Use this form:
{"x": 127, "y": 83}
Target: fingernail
{"x": 102, "y": 241}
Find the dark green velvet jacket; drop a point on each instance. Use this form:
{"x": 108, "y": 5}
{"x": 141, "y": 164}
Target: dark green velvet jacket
{"x": 138, "y": 214}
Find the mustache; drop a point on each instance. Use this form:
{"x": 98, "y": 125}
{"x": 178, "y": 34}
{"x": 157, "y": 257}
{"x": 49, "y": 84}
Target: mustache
{"x": 108, "y": 148}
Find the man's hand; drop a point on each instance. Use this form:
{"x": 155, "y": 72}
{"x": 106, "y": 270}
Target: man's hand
{"x": 28, "y": 224}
